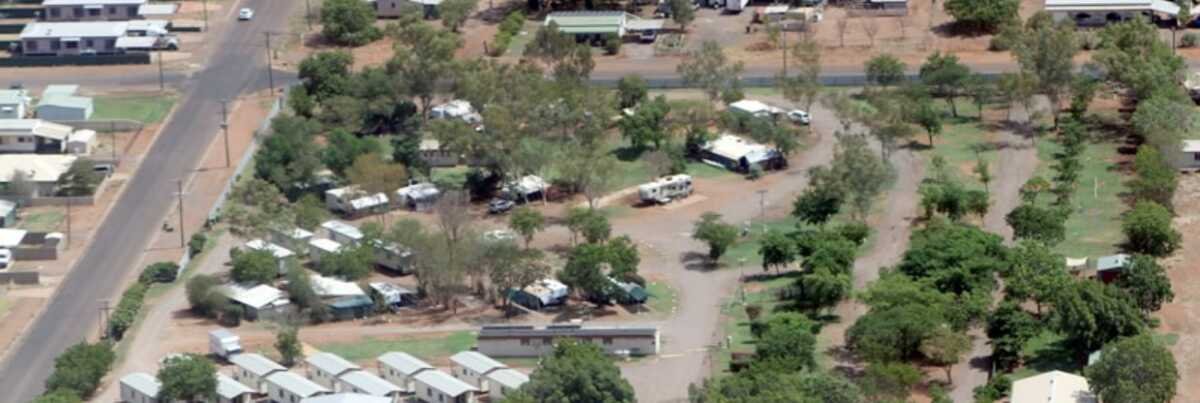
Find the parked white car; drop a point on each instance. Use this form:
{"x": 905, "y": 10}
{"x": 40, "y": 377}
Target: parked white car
{"x": 6, "y": 259}
{"x": 799, "y": 117}
{"x": 245, "y": 14}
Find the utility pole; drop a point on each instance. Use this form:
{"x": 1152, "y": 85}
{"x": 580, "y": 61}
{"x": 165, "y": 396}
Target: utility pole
{"x": 161, "y": 86}
{"x": 112, "y": 135}
{"x": 762, "y": 208}
{"x": 783, "y": 33}
{"x": 179, "y": 185}
{"x": 270, "y": 74}
{"x": 205, "y": 15}
{"x": 308, "y": 14}
{"x": 68, "y": 245}
{"x": 225, "y": 129}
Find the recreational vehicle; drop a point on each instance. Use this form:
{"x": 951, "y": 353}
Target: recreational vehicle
{"x": 666, "y": 189}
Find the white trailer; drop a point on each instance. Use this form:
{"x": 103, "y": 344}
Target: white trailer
{"x": 223, "y": 343}
{"x": 736, "y": 6}
{"x": 666, "y": 189}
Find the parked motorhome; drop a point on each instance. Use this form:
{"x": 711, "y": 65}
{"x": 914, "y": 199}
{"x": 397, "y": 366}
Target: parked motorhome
{"x": 392, "y": 256}
{"x": 351, "y": 202}
{"x": 284, "y": 258}
{"x": 223, "y": 343}
{"x": 666, "y": 189}
{"x": 342, "y": 232}
{"x": 417, "y": 196}
{"x": 545, "y": 292}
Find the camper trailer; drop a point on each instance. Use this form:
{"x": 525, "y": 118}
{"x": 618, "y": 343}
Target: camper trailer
{"x": 666, "y": 189}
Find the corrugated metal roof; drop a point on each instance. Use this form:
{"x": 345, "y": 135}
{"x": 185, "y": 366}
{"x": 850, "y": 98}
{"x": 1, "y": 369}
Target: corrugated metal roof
{"x": 35, "y": 127}
{"x": 142, "y": 382}
{"x": 256, "y": 364}
{"x": 296, "y": 384}
{"x": 277, "y": 251}
{"x": 13, "y": 96}
{"x": 341, "y": 228}
{"x": 370, "y": 383}
{"x": 67, "y": 101}
{"x": 37, "y": 167}
{"x": 330, "y": 363}
{"x": 91, "y": 2}
{"x": 508, "y": 377}
{"x": 564, "y": 331}
{"x": 1053, "y": 387}
{"x": 327, "y": 245}
{"x": 229, "y": 388}
{"x": 444, "y": 383}
{"x": 256, "y": 297}
{"x": 347, "y": 398}
{"x": 90, "y": 29}
{"x": 60, "y": 89}
{"x": 476, "y": 361}
{"x": 404, "y": 362}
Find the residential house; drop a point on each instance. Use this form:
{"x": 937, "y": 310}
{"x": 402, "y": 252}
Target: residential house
{"x": 287, "y": 387}
{"x": 351, "y": 202}
{"x": 14, "y": 104}
{"x": 366, "y": 383}
{"x": 8, "y": 213}
{"x": 91, "y": 10}
{"x": 39, "y": 171}
{"x": 504, "y": 381}
{"x": 738, "y": 154}
{"x": 284, "y": 258}
{"x": 320, "y": 247}
{"x": 342, "y": 232}
{"x": 326, "y": 368}
{"x": 70, "y": 38}
{"x": 62, "y": 103}
{"x": 140, "y": 387}
{"x": 259, "y": 301}
{"x": 1100, "y": 12}
{"x": 1054, "y": 387}
{"x": 231, "y": 391}
{"x": 31, "y": 136}
{"x": 252, "y": 369}
{"x": 435, "y": 386}
{"x": 528, "y": 341}
{"x": 401, "y": 369}
{"x": 294, "y": 239}
{"x": 472, "y": 367}
{"x": 347, "y": 398}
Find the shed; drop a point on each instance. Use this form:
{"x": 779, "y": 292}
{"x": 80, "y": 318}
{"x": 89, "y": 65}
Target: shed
{"x": 351, "y": 307}
{"x": 400, "y": 368}
{"x": 392, "y": 256}
{"x": 352, "y": 202}
{"x": 545, "y": 292}
{"x": 65, "y": 108}
{"x": 259, "y": 300}
{"x": 589, "y": 24}
{"x": 503, "y": 381}
{"x": 230, "y": 391}
{"x": 139, "y": 387}
{"x": 326, "y": 368}
{"x": 394, "y": 295}
{"x": 738, "y": 154}
{"x": 473, "y": 367}
{"x": 1053, "y": 386}
{"x": 629, "y": 292}
{"x": 294, "y": 239}
{"x": 1108, "y": 268}
{"x": 366, "y": 383}
{"x": 435, "y": 386}
{"x": 288, "y": 387}
{"x": 14, "y": 104}
{"x": 320, "y": 247}
{"x": 417, "y": 196}
{"x": 8, "y": 213}
{"x": 80, "y": 142}
{"x": 252, "y": 369}
{"x": 342, "y": 232}
{"x": 347, "y": 398}
{"x": 329, "y": 287}
{"x": 284, "y": 258}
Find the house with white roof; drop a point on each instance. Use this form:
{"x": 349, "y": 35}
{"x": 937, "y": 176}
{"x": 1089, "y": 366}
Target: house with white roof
{"x": 754, "y": 108}
{"x": 342, "y": 232}
{"x": 349, "y": 201}
{"x": 504, "y": 381}
{"x": 456, "y": 109}
{"x": 347, "y": 398}
{"x": 294, "y": 239}
{"x": 258, "y": 300}
{"x": 63, "y": 103}
{"x": 435, "y": 386}
{"x": 320, "y": 247}
{"x": 1052, "y": 387}
{"x": 41, "y": 171}
{"x": 252, "y": 369}
{"x": 283, "y": 257}
{"x": 473, "y": 367}
{"x": 401, "y": 368}
{"x": 140, "y": 387}
{"x": 366, "y": 383}
{"x": 33, "y": 136}
{"x": 326, "y": 368}
{"x": 394, "y": 295}
{"x": 231, "y": 391}
{"x": 14, "y": 104}
{"x": 329, "y": 287}
{"x": 1187, "y": 158}
{"x": 287, "y": 387}
{"x": 91, "y": 10}
{"x": 158, "y": 10}
{"x": 71, "y": 38}
{"x": 739, "y": 154}
{"x": 1099, "y": 12}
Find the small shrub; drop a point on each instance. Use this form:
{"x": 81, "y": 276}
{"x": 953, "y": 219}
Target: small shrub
{"x": 231, "y": 315}
{"x": 1088, "y": 41}
{"x": 161, "y": 272}
{"x": 1190, "y": 40}
{"x": 196, "y": 244}
{"x": 999, "y": 44}
{"x": 127, "y": 310}
{"x": 612, "y": 44}
{"x": 755, "y": 173}
{"x": 856, "y": 232}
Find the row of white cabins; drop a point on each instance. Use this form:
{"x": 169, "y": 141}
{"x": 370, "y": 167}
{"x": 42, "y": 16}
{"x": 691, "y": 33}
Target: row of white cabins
{"x": 329, "y": 378}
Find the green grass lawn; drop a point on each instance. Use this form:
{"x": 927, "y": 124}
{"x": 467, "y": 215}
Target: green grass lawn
{"x": 746, "y": 250}
{"x": 1094, "y": 227}
{"x": 450, "y": 178}
{"x": 142, "y": 108}
{"x": 44, "y": 221}
{"x": 426, "y": 348}
{"x": 663, "y": 297}
{"x": 736, "y": 324}
{"x": 1047, "y": 351}
{"x": 962, "y": 143}
{"x": 516, "y": 47}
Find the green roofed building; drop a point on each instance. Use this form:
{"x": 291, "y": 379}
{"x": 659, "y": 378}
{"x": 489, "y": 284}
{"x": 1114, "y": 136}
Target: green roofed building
{"x": 595, "y": 24}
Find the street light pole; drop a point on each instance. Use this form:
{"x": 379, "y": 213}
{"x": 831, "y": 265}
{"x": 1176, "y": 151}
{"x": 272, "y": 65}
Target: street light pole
{"x": 205, "y": 15}
{"x": 179, "y": 186}
{"x": 161, "y": 85}
{"x": 225, "y": 129}
{"x": 270, "y": 74}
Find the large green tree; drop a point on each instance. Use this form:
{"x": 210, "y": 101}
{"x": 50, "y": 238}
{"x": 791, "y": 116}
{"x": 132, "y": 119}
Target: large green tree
{"x": 1091, "y": 313}
{"x": 1147, "y": 283}
{"x": 1136, "y": 369}
{"x": 1046, "y": 49}
{"x": 577, "y": 373}
{"x": 1148, "y": 230}
{"x": 1042, "y": 224}
{"x": 764, "y": 385}
{"x": 716, "y": 233}
{"x": 885, "y": 70}
{"x": 422, "y": 57}
{"x": 254, "y": 267}
{"x": 1134, "y": 55}
{"x": 1155, "y": 180}
{"x": 348, "y": 22}
{"x": 80, "y": 368}
{"x": 787, "y": 343}
{"x": 190, "y": 377}
{"x": 709, "y": 69}
{"x": 982, "y": 15}
{"x": 946, "y": 76}
{"x": 289, "y": 155}
{"x": 326, "y": 74}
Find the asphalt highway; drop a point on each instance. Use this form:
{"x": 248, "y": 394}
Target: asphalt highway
{"x": 236, "y": 66}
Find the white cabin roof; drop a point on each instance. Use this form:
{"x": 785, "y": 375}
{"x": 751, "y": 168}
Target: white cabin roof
{"x": 257, "y": 297}
{"x": 444, "y": 383}
{"x": 344, "y": 229}
{"x": 296, "y": 384}
{"x": 256, "y": 363}
{"x": 332, "y": 287}
{"x": 229, "y": 388}
{"x": 278, "y": 251}
{"x": 1053, "y": 387}
{"x": 508, "y": 377}
{"x": 34, "y": 127}
{"x": 370, "y": 383}
{"x": 330, "y": 363}
{"x": 327, "y": 245}
{"x": 476, "y": 361}
{"x": 404, "y": 362}
{"x": 142, "y": 382}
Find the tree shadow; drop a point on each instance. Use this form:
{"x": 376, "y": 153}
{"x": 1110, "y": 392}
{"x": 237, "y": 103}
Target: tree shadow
{"x": 697, "y": 261}
{"x": 1059, "y": 355}
{"x": 628, "y": 153}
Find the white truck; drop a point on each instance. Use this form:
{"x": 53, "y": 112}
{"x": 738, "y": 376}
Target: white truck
{"x": 736, "y": 6}
{"x": 665, "y": 189}
{"x": 223, "y": 343}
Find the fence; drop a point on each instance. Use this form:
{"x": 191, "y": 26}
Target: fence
{"x": 244, "y": 162}
{"x": 103, "y": 126}
{"x": 11, "y": 29}
{"x": 176, "y": 28}
{"x": 22, "y": 12}
{"x": 20, "y": 277}
{"x": 91, "y": 60}
{"x": 829, "y": 80}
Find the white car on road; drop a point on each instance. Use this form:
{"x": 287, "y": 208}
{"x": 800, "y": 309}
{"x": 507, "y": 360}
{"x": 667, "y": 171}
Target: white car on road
{"x": 799, "y": 117}
{"x": 245, "y": 14}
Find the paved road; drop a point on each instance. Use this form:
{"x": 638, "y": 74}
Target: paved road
{"x": 119, "y": 241}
